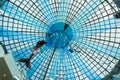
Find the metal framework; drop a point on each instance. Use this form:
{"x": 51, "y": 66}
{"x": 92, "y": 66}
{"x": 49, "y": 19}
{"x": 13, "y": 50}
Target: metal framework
{"x": 95, "y": 41}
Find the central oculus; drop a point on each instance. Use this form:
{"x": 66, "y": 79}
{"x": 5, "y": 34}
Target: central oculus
{"x": 59, "y": 39}
{"x": 59, "y": 35}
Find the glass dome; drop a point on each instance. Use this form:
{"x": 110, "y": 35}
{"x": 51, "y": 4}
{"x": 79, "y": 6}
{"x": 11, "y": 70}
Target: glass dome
{"x": 83, "y": 37}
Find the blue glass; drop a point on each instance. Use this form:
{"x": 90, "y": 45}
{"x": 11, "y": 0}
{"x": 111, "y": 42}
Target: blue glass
{"x": 59, "y": 35}
{"x": 82, "y": 37}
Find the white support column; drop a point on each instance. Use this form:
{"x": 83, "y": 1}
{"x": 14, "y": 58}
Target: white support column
{"x": 11, "y": 64}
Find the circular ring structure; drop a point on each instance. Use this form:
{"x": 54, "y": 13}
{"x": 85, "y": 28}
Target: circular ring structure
{"x": 59, "y": 35}
{"x": 83, "y": 37}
